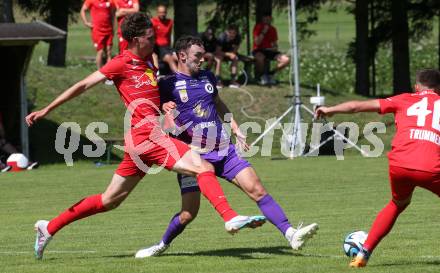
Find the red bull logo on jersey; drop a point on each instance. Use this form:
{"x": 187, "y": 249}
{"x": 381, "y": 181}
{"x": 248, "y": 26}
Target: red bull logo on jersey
{"x": 151, "y": 76}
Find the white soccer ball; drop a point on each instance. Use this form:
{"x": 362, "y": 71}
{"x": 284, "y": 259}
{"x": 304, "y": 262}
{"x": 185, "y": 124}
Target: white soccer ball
{"x": 353, "y": 243}
{"x": 18, "y": 162}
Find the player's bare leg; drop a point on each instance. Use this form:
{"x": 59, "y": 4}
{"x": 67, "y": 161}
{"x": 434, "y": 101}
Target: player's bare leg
{"x": 178, "y": 223}
{"x": 382, "y": 225}
{"x": 192, "y": 164}
{"x": 116, "y": 192}
{"x": 249, "y": 182}
{"x": 98, "y": 59}
{"x": 108, "y": 53}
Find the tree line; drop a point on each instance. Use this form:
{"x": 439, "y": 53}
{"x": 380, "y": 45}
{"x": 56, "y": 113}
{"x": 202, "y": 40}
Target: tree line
{"x": 377, "y": 23}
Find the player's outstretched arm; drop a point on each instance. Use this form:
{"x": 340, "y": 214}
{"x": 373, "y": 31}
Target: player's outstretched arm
{"x": 348, "y": 107}
{"x": 75, "y": 90}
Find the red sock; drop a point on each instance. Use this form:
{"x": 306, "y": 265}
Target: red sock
{"x": 86, "y": 207}
{"x": 211, "y": 189}
{"x": 384, "y": 222}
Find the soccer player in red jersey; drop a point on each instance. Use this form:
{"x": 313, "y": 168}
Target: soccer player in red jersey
{"x": 163, "y": 27}
{"x": 266, "y": 47}
{"x": 414, "y": 160}
{"x": 101, "y": 13}
{"x": 145, "y": 143}
{"x": 124, "y": 8}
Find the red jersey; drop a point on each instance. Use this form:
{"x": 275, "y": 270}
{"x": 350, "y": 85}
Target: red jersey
{"x": 135, "y": 79}
{"x": 124, "y": 4}
{"x": 162, "y": 30}
{"x": 269, "y": 38}
{"x": 416, "y": 144}
{"x": 101, "y": 13}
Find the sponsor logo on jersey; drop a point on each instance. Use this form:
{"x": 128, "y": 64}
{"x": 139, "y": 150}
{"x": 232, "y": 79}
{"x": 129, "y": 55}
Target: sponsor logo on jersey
{"x": 183, "y": 95}
{"x": 209, "y": 88}
{"x": 193, "y": 83}
{"x": 150, "y": 74}
{"x": 180, "y": 83}
{"x": 200, "y": 112}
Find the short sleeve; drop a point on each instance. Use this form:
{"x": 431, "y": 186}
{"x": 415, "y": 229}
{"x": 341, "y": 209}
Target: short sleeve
{"x": 257, "y": 30}
{"x": 391, "y": 104}
{"x": 113, "y": 69}
{"x": 88, "y": 3}
{"x": 213, "y": 81}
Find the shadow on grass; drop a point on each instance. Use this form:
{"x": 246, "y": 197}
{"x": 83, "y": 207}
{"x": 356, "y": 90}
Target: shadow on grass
{"x": 42, "y": 137}
{"x": 240, "y": 253}
{"x": 408, "y": 263}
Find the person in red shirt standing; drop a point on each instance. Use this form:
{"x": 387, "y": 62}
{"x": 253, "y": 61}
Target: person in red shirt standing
{"x": 124, "y": 8}
{"x": 266, "y": 48}
{"x": 163, "y": 27}
{"x": 101, "y": 13}
{"x": 414, "y": 160}
{"x": 134, "y": 76}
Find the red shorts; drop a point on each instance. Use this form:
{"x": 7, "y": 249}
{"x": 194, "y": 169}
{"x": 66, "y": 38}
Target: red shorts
{"x": 403, "y": 181}
{"x": 161, "y": 150}
{"x": 101, "y": 40}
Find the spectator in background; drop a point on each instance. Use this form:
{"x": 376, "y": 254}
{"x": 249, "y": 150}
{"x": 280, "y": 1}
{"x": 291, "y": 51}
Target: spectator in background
{"x": 5, "y": 146}
{"x": 266, "y": 48}
{"x": 210, "y": 44}
{"x": 227, "y": 49}
{"x": 101, "y": 24}
{"x": 163, "y": 27}
{"x": 124, "y": 8}
{"x": 6, "y": 149}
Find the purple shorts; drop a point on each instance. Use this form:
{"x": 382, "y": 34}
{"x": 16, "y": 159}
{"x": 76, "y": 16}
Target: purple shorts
{"x": 226, "y": 166}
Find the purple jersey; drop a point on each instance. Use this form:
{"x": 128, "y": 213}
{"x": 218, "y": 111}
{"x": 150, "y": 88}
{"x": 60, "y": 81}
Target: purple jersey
{"x": 195, "y": 100}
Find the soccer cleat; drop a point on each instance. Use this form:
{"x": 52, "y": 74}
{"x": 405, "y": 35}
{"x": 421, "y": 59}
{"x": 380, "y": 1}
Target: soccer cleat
{"x": 155, "y": 250}
{"x": 43, "y": 238}
{"x": 238, "y": 222}
{"x": 358, "y": 261}
{"x": 299, "y": 237}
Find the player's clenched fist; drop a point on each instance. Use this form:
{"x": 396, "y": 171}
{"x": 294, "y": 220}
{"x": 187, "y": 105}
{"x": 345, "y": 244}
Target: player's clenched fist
{"x": 168, "y": 106}
{"x": 34, "y": 116}
{"x": 323, "y": 111}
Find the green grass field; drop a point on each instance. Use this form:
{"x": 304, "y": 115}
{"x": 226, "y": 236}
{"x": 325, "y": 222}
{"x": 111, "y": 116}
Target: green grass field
{"x": 341, "y": 196}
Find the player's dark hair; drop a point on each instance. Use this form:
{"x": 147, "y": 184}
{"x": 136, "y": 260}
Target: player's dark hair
{"x": 232, "y": 27}
{"x": 134, "y": 25}
{"x": 429, "y": 78}
{"x": 186, "y": 41}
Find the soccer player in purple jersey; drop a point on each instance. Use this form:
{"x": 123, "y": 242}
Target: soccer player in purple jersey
{"x": 193, "y": 93}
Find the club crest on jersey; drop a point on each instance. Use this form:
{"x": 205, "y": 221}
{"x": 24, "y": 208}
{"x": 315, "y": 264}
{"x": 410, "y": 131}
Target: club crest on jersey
{"x": 209, "y": 88}
{"x": 183, "y": 95}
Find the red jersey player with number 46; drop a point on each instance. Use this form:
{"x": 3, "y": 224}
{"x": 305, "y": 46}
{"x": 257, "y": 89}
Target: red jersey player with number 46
{"x": 414, "y": 160}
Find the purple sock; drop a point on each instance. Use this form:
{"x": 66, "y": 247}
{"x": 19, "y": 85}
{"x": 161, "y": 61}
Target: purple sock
{"x": 173, "y": 230}
{"x": 274, "y": 213}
